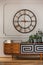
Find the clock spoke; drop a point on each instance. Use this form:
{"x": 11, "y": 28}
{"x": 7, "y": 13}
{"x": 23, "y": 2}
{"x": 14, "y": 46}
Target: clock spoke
{"x": 20, "y": 29}
{"x": 32, "y": 16}
{"x": 19, "y": 13}
{"x": 16, "y": 21}
{"x": 24, "y": 24}
{"x": 24, "y": 30}
{"x": 16, "y": 16}
{"x": 33, "y": 20}
{"x": 17, "y": 26}
{"x": 32, "y": 25}
{"x": 24, "y": 12}
{"x": 29, "y": 28}
{"x": 23, "y": 21}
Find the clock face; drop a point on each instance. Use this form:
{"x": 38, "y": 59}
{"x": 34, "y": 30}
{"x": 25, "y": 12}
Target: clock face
{"x": 24, "y": 21}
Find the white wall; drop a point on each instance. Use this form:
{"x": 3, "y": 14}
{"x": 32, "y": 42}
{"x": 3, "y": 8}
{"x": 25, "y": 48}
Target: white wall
{"x": 7, "y": 10}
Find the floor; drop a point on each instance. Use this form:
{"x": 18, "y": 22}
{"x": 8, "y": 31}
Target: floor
{"x": 10, "y": 61}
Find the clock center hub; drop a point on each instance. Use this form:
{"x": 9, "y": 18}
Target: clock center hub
{"x": 24, "y": 21}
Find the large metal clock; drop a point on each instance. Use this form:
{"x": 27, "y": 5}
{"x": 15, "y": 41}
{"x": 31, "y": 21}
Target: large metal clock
{"x": 24, "y": 21}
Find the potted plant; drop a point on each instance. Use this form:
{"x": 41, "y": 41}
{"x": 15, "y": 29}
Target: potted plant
{"x": 31, "y": 39}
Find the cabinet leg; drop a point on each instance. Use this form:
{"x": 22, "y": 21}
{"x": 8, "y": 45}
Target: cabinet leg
{"x": 12, "y": 57}
{"x": 40, "y": 56}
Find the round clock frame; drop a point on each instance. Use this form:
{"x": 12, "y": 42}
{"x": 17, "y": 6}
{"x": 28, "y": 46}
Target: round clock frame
{"x": 24, "y": 21}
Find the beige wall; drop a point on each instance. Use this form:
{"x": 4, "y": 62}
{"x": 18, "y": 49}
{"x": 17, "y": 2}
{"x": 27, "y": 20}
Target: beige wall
{"x": 11, "y": 6}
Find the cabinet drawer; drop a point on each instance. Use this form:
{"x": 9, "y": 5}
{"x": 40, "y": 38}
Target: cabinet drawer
{"x": 39, "y": 48}
{"x": 27, "y": 49}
